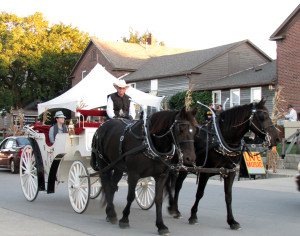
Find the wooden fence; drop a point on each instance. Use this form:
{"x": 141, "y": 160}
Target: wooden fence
{"x": 294, "y": 139}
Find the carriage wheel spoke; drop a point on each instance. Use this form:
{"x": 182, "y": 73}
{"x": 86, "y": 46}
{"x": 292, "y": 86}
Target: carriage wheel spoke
{"x": 79, "y": 186}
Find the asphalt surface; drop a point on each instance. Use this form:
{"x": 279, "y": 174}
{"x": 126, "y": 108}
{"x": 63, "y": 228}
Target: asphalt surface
{"x": 16, "y": 222}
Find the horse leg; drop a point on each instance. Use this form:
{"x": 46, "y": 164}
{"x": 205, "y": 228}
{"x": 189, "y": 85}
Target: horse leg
{"x": 159, "y": 186}
{"x": 173, "y": 202}
{"x": 200, "y": 192}
{"x": 109, "y": 185}
{"x": 132, "y": 182}
{"x": 228, "y": 182}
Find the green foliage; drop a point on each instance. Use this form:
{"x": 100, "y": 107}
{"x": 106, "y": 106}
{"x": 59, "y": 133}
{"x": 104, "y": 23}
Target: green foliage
{"x": 36, "y": 59}
{"x": 134, "y": 37}
{"x": 177, "y": 101}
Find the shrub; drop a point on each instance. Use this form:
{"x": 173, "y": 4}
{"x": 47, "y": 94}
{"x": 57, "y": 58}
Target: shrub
{"x": 177, "y": 101}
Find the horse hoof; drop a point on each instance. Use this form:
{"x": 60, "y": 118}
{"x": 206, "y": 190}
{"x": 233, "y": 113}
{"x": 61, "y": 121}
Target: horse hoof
{"x": 164, "y": 232}
{"x": 171, "y": 212}
{"x": 112, "y": 220}
{"x": 193, "y": 221}
{"x": 178, "y": 216}
{"x": 235, "y": 226}
{"x": 124, "y": 225}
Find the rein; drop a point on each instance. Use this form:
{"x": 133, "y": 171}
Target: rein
{"x": 173, "y": 130}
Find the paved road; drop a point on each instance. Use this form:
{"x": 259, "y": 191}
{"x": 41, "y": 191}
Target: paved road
{"x": 262, "y": 206}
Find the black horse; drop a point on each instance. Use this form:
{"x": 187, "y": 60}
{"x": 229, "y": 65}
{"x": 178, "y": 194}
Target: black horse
{"x": 232, "y": 125}
{"x": 123, "y": 146}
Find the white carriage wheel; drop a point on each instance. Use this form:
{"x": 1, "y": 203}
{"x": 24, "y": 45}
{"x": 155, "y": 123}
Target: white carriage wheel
{"x": 95, "y": 187}
{"x": 28, "y": 174}
{"x": 145, "y": 193}
{"x": 79, "y": 186}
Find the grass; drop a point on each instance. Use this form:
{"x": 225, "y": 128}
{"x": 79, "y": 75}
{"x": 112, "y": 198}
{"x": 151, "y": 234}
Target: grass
{"x": 279, "y": 149}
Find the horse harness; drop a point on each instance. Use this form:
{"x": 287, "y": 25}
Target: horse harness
{"x": 147, "y": 146}
{"x": 218, "y": 145}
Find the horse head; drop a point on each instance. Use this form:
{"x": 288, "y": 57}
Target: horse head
{"x": 178, "y": 128}
{"x": 185, "y": 130}
{"x": 262, "y": 125}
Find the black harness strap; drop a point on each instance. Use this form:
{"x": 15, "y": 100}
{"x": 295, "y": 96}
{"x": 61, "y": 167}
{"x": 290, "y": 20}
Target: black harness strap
{"x": 130, "y": 152}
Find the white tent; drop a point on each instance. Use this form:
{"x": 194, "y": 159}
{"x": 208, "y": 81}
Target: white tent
{"x": 92, "y": 91}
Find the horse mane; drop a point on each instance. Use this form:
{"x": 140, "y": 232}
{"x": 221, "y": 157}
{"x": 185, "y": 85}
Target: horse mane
{"x": 235, "y": 115}
{"x": 162, "y": 120}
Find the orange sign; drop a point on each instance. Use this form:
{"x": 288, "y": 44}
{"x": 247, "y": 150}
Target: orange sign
{"x": 254, "y": 163}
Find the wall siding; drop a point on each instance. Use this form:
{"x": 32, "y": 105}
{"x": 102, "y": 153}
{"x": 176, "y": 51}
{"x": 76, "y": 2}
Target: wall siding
{"x": 223, "y": 66}
{"x": 245, "y": 94}
{"x": 169, "y": 86}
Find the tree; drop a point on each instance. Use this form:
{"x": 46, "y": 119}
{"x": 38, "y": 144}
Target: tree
{"x": 135, "y": 38}
{"x": 35, "y": 59}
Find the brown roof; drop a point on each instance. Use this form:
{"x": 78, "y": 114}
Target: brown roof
{"x": 264, "y": 74}
{"x": 279, "y": 33}
{"x": 181, "y": 64}
{"x": 131, "y": 55}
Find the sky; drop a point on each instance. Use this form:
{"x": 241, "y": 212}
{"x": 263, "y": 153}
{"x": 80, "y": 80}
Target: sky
{"x": 189, "y": 24}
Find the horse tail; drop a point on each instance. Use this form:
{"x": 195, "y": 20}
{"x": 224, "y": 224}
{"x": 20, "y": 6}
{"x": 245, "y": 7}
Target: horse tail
{"x": 95, "y": 159}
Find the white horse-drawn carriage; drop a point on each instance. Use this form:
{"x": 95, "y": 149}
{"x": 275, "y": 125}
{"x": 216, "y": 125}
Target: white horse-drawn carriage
{"x": 43, "y": 166}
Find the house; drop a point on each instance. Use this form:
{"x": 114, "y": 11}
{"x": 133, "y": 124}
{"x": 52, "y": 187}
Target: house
{"x": 165, "y": 71}
{"x": 200, "y": 70}
{"x": 118, "y": 58}
{"x": 245, "y": 86}
{"x": 287, "y": 38}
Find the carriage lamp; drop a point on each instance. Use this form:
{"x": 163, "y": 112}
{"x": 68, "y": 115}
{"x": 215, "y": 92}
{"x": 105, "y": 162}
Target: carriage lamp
{"x": 71, "y": 131}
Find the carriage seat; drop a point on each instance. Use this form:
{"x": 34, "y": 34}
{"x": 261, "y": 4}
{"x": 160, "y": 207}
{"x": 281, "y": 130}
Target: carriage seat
{"x": 79, "y": 126}
{"x": 40, "y": 128}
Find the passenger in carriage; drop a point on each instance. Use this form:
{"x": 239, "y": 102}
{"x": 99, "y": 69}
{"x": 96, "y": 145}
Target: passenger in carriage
{"x": 59, "y": 127}
{"x": 119, "y": 104}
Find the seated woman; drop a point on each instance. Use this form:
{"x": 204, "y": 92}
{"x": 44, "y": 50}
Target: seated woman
{"x": 59, "y": 127}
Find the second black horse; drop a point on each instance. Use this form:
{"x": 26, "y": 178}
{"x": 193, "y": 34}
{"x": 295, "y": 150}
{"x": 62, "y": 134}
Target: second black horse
{"x": 232, "y": 125}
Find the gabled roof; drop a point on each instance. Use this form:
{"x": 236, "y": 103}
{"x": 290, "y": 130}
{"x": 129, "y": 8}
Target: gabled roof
{"x": 264, "y": 74}
{"x": 181, "y": 64}
{"x": 279, "y": 33}
{"x": 128, "y": 56}
{"x": 131, "y": 55}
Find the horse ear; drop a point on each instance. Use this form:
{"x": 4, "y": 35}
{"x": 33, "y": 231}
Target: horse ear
{"x": 182, "y": 113}
{"x": 262, "y": 101}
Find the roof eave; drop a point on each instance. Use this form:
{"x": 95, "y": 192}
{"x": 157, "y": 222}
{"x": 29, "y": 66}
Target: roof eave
{"x": 235, "y": 86}
{"x": 185, "y": 73}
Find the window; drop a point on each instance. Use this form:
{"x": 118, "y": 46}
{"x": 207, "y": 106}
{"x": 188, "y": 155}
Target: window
{"x": 255, "y": 94}
{"x": 10, "y": 144}
{"x": 132, "y": 85}
{"x": 216, "y": 97}
{"x": 234, "y": 97}
{"x": 83, "y": 74}
{"x": 154, "y": 85}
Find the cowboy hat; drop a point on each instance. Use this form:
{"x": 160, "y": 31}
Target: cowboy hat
{"x": 59, "y": 114}
{"x": 121, "y": 84}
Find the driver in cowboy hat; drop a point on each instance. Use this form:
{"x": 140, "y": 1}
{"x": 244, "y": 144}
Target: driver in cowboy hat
{"x": 119, "y": 104}
{"x": 59, "y": 127}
